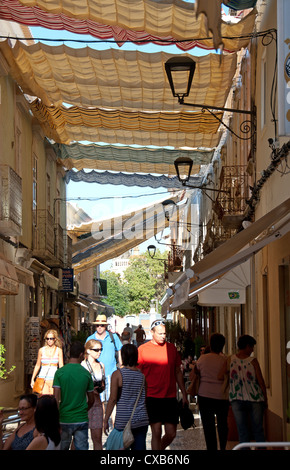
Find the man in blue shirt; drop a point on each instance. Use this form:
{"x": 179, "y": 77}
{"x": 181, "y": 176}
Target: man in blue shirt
{"x": 110, "y": 345}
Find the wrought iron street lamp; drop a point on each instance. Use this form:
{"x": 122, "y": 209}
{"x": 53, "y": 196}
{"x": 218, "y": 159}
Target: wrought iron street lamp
{"x": 183, "y": 166}
{"x": 180, "y": 67}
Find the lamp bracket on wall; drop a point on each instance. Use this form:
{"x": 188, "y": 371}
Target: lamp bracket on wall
{"x": 186, "y": 65}
{"x": 247, "y": 127}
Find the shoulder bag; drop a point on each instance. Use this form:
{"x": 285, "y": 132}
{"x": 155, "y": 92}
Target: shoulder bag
{"x": 39, "y": 383}
{"x": 123, "y": 439}
{"x": 128, "y": 437}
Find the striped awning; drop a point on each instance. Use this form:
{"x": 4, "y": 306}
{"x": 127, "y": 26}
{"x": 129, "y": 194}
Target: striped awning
{"x": 63, "y": 125}
{"x": 102, "y": 240}
{"x": 127, "y": 159}
{"x": 112, "y": 78}
{"x": 125, "y": 179}
{"x": 159, "y": 22}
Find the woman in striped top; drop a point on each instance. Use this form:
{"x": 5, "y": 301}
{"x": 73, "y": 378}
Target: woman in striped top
{"x": 50, "y": 357}
{"x": 126, "y": 383}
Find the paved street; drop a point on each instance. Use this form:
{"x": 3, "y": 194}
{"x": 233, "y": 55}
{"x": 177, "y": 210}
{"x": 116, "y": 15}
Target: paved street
{"x": 191, "y": 439}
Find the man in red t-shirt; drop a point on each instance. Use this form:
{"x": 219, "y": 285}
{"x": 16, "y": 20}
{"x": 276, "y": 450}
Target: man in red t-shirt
{"x": 160, "y": 363}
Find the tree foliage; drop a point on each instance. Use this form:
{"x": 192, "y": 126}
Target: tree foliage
{"x": 143, "y": 281}
{"x": 117, "y": 293}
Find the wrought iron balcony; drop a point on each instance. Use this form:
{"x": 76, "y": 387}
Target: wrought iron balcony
{"x": 175, "y": 259}
{"x": 48, "y": 240}
{"x": 230, "y": 208}
{"x": 10, "y": 202}
{"x": 173, "y": 265}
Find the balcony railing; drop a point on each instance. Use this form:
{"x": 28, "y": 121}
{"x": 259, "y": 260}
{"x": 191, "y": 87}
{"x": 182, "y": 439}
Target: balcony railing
{"x": 10, "y": 202}
{"x": 230, "y": 208}
{"x": 175, "y": 259}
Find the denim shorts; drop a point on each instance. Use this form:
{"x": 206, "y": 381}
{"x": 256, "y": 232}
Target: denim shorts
{"x": 105, "y": 395}
{"x": 76, "y": 431}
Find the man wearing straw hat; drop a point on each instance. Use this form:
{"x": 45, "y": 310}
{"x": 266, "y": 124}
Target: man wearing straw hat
{"x": 110, "y": 344}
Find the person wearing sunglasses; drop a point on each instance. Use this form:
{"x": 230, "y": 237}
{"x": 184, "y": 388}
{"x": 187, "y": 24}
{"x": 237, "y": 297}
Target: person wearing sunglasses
{"x": 93, "y": 349}
{"x": 26, "y": 431}
{"x": 112, "y": 346}
{"x": 160, "y": 362}
{"x": 49, "y": 359}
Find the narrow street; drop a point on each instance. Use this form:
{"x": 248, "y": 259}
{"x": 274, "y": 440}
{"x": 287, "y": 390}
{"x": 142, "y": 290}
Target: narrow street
{"x": 190, "y": 439}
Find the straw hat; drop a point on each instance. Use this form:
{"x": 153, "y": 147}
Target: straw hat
{"x": 101, "y": 320}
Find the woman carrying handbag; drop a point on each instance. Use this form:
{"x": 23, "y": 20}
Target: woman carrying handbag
{"x": 50, "y": 357}
{"x": 125, "y": 393}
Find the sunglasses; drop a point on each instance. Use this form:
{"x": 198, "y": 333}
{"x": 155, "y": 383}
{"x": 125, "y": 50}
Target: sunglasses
{"x": 157, "y": 322}
{"x": 50, "y": 339}
{"x": 104, "y": 326}
{"x": 97, "y": 349}
{"x": 24, "y": 408}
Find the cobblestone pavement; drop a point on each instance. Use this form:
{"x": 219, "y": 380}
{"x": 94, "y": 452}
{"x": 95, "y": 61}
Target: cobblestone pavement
{"x": 189, "y": 439}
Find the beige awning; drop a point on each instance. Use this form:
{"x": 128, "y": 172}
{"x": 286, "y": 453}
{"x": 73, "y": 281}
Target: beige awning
{"x": 9, "y": 284}
{"x": 36, "y": 266}
{"x": 24, "y": 276}
{"x": 50, "y": 281}
{"x": 81, "y": 304}
{"x": 115, "y": 236}
{"x": 114, "y": 79}
{"x": 124, "y": 20}
{"x": 233, "y": 252}
{"x": 230, "y": 288}
{"x": 63, "y": 124}
{"x": 218, "y": 259}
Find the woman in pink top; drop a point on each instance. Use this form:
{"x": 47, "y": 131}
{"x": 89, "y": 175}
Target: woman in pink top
{"x": 210, "y": 394}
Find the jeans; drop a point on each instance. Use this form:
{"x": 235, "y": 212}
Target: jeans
{"x": 242, "y": 411}
{"x": 210, "y": 408}
{"x": 79, "y": 433}
{"x": 139, "y": 438}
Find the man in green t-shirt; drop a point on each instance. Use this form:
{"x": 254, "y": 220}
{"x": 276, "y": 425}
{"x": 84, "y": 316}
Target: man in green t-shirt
{"x": 74, "y": 391}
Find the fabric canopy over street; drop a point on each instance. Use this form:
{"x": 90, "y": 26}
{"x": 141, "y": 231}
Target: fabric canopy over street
{"x": 149, "y": 21}
{"x": 106, "y": 239}
{"x": 114, "y": 78}
{"x": 129, "y": 159}
{"x": 97, "y": 305}
{"x": 65, "y": 125}
{"x": 134, "y": 179}
{"x": 132, "y": 87}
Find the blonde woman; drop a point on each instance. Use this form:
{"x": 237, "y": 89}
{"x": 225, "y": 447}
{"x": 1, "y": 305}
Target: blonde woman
{"x": 93, "y": 349}
{"x": 50, "y": 357}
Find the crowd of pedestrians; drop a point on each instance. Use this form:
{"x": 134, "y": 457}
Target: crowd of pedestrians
{"x": 106, "y": 378}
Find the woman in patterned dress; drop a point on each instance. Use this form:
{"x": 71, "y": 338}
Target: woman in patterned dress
{"x": 247, "y": 392}
{"x": 50, "y": 357}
